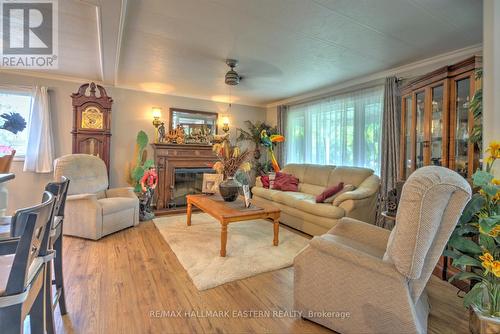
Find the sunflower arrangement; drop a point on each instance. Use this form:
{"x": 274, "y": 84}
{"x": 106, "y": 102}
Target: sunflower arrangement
{"x": 474, "y": 245}
{"x": 230, "y": 159}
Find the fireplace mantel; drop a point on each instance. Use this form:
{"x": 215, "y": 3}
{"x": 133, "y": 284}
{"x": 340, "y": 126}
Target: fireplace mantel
{"x": 167, "y": 158}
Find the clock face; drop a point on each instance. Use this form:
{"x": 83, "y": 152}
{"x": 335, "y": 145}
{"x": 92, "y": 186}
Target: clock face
{"x": 92, "y": 118}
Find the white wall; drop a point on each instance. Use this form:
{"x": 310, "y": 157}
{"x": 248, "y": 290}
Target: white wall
{"x": 131, "y": 112}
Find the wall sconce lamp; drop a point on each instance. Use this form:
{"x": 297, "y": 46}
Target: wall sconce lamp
{"x": 225, "y": 124}
{"x": 156, "y": 111}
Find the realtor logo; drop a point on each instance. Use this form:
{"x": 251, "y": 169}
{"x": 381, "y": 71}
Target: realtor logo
{"x": 29, "y": 34}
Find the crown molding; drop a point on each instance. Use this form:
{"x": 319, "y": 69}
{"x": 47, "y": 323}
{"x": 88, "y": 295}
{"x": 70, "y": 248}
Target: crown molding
{"x": 410, "y": 69}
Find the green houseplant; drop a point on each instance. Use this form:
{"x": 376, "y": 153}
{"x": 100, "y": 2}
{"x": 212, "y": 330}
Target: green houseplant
{"x": 253, "y": 134}
{"x": 474, "y": 244}
{"x": 142, "y": 163}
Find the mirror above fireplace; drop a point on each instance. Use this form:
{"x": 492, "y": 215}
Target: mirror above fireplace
{"x": 193, "y": 121}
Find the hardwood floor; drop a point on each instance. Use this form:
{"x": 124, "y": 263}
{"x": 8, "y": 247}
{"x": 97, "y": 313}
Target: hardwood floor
{"x": 123, "y": 283}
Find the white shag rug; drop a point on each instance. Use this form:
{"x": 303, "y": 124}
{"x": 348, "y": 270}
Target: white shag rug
{"x": 250, "y": 249}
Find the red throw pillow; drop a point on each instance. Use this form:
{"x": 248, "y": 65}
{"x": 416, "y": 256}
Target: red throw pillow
{"x": 329, "y": 192}
{"x": 265, "y": 181}
{"x": 286, "y": 182}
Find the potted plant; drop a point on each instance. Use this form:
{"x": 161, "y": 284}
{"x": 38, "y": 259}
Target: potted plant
{"x": 13, "y": 123}
{"x": 474, "y": 247}
{"x": 253, "y": 134}
{"x": 230, "y": 160}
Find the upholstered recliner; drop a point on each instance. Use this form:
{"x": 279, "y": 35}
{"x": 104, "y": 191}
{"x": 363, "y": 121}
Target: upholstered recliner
{"x": 375, "y": 277}
{"x": 92, "y": 210}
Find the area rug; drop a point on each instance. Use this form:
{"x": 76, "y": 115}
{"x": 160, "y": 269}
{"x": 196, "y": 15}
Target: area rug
{"x": 250, "y": 249}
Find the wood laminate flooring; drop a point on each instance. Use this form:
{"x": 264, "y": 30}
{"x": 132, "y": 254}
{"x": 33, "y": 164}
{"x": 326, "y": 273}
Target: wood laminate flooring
{"x": 131, "y": 282}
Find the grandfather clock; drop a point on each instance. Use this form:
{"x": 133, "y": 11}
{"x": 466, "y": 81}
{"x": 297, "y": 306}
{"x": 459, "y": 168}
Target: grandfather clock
{"x": 92, "y": 121}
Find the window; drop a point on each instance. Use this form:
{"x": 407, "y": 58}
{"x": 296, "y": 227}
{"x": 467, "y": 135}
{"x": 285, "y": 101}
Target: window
{"x": 14, "y": 102}
{"x": 339, "y": 130}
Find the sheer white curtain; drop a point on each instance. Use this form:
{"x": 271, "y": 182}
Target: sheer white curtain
{"x": 338, "y": 130}
{"x": 40, "y": 149}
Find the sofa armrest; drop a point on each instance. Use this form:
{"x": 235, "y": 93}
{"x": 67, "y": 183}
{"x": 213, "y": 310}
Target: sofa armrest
{"x": 328, "y": 245}
{"x": 121, "y": 192}
{"x": 368, "y": 188}
{"x": 258, "y": 182}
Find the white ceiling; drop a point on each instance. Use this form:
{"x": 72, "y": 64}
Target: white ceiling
{"x": 285, "y": 47}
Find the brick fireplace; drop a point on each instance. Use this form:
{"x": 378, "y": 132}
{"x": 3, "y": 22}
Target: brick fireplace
{"x": 180, "y": 172}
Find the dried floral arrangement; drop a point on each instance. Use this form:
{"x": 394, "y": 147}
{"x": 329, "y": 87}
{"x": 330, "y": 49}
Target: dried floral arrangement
{"x": 230, "y": 159}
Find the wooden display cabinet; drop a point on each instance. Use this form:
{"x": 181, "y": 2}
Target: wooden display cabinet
{"x": 436, "y": 120}
{"x": 436, "y": 123}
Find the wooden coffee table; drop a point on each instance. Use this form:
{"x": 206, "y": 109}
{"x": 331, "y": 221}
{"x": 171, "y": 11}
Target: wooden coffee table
{"x": 226, "y": 214}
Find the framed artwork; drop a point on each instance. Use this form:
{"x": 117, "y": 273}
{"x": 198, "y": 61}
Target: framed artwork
{"x": 211, "y": 183}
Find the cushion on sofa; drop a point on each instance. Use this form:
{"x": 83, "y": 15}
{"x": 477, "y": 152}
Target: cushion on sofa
{"x": 349, "y": 175}
{"x": 347, "y": 187}
{"x": 285, "y": 182}
{"x": 264, "y": 179}
{"x": 297, "y": 170}
{"x": 329, "y": 192}
{"x": 264, "y": 192}
{"x": 307, "y": 203}
{"x": 116, "y": 204}
{"x": 317, "y": 175}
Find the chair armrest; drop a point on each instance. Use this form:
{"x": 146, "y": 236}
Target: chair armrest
{"x": 82, "y": 197}
{"x": 121, "y": 192}
{"x": 328, "y": 245}
{"x": 361, "y": 232}
{"x": 8, "y": 246}
{"x": 366, "y": 189}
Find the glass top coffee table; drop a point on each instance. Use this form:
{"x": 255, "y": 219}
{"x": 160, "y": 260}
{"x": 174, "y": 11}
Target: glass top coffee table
{"x": 227, "y": 213}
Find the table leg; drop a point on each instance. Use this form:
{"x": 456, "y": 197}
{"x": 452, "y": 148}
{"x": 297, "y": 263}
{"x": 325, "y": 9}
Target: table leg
{"x": 188, "y": 213}
{"x": 276, "y": 231}
{"x": 223, "y": 240}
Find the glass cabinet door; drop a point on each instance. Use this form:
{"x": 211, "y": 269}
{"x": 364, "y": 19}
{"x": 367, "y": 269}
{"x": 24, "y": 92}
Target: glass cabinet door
{"x": 461, "y": 126}
{"x": 419, "y": 135}
{"x": 437, "y": 134}
{"x": 407, "y": 153}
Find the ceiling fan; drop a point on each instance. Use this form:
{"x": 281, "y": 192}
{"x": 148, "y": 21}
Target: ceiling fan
{"x": 232, "y": 78}
{"x": 256, "y": 74}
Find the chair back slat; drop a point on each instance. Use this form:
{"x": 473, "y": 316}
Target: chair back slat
{"x": 60, "y": 191}
{"x": 32, "y": 223}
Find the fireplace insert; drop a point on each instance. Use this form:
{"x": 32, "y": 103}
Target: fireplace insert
{"x": 187, "y": 180}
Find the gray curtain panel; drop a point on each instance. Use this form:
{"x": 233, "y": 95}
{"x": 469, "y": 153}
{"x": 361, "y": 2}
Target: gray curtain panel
{"x": 391, "y": 119}
{"x": 281, "y": 126}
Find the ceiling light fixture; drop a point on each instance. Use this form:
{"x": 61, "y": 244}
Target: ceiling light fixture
{"x": 232, "y": 78}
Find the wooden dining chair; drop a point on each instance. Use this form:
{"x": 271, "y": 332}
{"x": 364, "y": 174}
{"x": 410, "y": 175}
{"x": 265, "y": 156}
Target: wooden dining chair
{"x": 22, "y": 268}
{"x": 6, "y": 161}
{"x": 60, "y": 191}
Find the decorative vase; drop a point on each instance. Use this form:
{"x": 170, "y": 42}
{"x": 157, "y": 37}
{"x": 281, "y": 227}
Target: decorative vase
{"x": 256, "y": 154}
{"x": 481, "y": 324}
{"x": 229, "y": 189}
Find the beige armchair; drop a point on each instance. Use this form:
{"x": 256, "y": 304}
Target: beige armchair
{"x": 359, "y": 278}
{"x": 92, "y": 210}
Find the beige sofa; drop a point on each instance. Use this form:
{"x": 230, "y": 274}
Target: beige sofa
{"x": 300, "y": 210}
{"x": 92, "y": 210}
